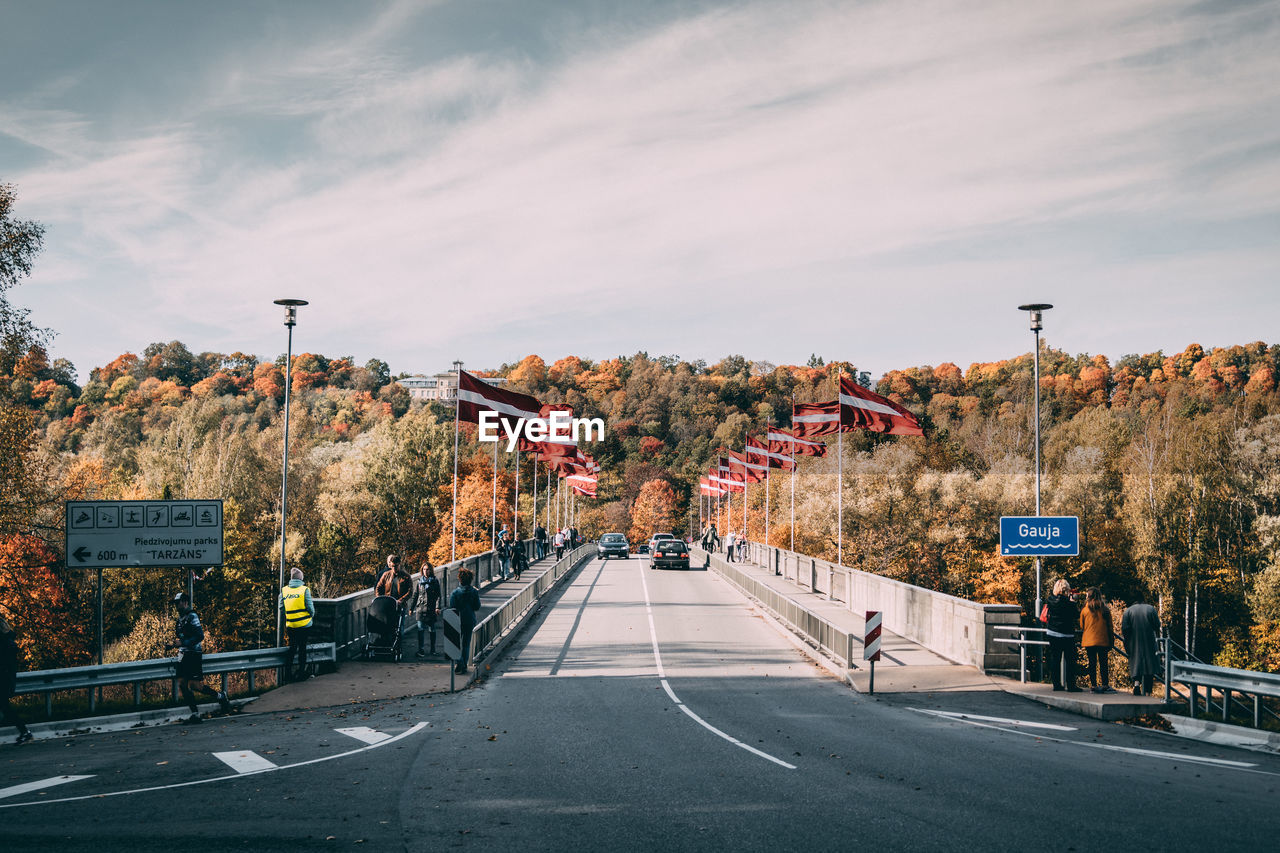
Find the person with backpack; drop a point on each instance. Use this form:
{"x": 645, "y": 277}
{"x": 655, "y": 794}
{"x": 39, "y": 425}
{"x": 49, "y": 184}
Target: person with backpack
{"x": 519, "y": 559}
{"x": 466, "y": 601}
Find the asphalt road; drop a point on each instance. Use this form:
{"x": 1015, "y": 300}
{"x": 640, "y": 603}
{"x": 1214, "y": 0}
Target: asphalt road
{"x": 645, "y": 711}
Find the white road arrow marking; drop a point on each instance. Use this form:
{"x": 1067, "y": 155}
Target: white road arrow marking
{"x": 40, "y": 786}
{"x": 244, "y": 761}
{"x": 364, "y": 734}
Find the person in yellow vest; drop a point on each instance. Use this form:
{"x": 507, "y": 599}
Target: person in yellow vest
{"x": 295, "y": 604}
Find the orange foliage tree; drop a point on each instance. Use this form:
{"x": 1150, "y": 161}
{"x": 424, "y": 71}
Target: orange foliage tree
{"x": 36, "y": 602}
{"x": 654, "y": 510}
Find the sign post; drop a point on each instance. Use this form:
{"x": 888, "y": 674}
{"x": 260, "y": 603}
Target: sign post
{"x": 871, "y": 645}
{"x": 141, "y": 534}
{"x": 452, "y": 637}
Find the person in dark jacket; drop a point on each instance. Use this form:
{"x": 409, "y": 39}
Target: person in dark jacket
{"x": 466, "y": 601}
{"x": 190, "y": 668}
{"x": 540, "y": 538}
{"x": 1139, "y": 627}
{"x": 9, "y": 681}
{"x": 1063, "y": 618}
{"x": 426, "y": 603}
{"x": 519, "y": 559}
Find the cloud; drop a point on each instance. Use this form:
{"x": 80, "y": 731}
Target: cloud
{"x": 800, "y": 157}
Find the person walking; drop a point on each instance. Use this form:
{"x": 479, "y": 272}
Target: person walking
{"x": 190, "y": 668}
{"x": 9, "y": 681}
{"x": 466, "y": 601}
{"x": 299, "y": 611}
{"x": 1139, "y": 627}
{"x": 742, "y": 547}
{"x": 426, "y": 603}
{"x": 1097, "y": 637}
{"x": 519, "y": 559}
{"x": 729, "y": 545}
{"x": 397, "y": 584}
{"x": 559, "y": 544}
{"x": 1061, "y": 626}
{"x": 540, "y": 541}
{"x": 502, "y": 549}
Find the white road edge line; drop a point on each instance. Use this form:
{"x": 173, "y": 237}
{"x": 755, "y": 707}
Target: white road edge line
{"x": 245, "y": 761}
{"x": 956, "y": 715}
{"x": 15, "y": 790}
{"x": 1133, "y": 750}
{"x": 414, "y": 730}
{"x": 662, "y": 678}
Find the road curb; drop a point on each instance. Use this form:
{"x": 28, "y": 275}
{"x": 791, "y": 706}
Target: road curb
{"x": 56, "y": 729}
{"x": 1222, "y": 734}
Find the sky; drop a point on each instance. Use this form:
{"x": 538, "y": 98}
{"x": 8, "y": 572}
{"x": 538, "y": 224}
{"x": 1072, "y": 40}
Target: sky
{"x": 877, "y": 182}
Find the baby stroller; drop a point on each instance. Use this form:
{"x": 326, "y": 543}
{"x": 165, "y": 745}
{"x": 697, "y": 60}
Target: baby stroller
{"x": 383, "y": 624}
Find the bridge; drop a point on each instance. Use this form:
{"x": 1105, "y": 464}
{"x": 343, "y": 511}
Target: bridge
{"x": 623, "y": 708}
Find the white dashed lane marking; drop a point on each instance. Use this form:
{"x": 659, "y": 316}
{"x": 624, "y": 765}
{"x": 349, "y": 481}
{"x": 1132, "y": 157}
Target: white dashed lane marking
{"x": 39, "y": 786}
{"x": 364, "y": 734}
{"x": 244, "y": 761}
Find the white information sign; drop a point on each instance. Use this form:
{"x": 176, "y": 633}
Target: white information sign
{"x": 114, "y": 534}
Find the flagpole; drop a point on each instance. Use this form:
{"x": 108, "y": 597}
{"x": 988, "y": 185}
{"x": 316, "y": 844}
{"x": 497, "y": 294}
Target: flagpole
{"x": 794, "y": 466}
{"x": 767, "y": 466}
{"x": 457, "y": 414}
{"x": 493, "y": 524}
{"x": 840, "y": 495}
{"x": 533, "y": 516}
{"x": 515, "y": 503}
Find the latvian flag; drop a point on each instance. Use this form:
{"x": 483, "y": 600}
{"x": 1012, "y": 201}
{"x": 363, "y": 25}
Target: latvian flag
{"x": 781, "y": 441}
{"x": 750, "y": 471}
{"x": 583, "y": 484}
{"x": 549, "y": 447}
{"x": 476, "y": 396}
{"x": 710, "y": 488}
{"x": 725, "y": 481}
{"x": 859, "y": 408}
{"x": 762, "y": 454}
{"x": 809, "y": 420}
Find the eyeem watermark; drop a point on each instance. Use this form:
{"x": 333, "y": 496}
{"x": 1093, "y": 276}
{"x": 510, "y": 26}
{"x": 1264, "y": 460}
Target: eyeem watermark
{"x": 561, "y": 426}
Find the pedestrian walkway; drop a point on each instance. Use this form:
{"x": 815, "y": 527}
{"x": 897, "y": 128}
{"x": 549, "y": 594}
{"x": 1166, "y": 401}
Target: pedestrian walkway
{"x": 358, "y": 681}
{"x": 907, "y": 667}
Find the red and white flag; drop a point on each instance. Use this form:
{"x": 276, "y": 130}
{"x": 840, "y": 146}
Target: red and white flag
{"x": 781, "y": 441}
{"x": 476, "y": 396}
{"x": 765, "y": 455}
{"x": 710, "y": 488}
{"x": 750, "y": 471}
{"x": 583, "y": 484}
{"x": 862, "y": 409}
{"x": 725, "y": 480}
{"x": 809, "y": 420}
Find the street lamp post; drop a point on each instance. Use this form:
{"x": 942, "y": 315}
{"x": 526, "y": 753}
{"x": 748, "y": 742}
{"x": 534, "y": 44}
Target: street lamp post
{"x": 290, "y": 320}
{"x": 1036, "y": 309}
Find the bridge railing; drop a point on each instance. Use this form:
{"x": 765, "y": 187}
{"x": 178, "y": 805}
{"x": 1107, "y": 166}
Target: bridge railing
{"x": 139, "y": 672}
{"x": 954, "y": 628}
{"x": 344, "y": 621}
{"x": 489, "y": 631}
{"x": 1227, "y": 681}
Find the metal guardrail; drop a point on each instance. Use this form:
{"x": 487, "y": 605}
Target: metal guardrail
{"x": 491, "y": 628}
{"x": 836, "y": 643}
{"x": 138, "y": 672}
{"x": 1228, "y": 681}
{"x": 1022, "y": 643}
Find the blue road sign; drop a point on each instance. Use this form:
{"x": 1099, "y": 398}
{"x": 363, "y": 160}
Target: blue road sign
{"x": 1043, "y": 536}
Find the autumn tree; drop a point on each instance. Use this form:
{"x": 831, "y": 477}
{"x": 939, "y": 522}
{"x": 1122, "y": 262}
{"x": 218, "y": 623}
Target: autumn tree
{"x": 654, "y": 510}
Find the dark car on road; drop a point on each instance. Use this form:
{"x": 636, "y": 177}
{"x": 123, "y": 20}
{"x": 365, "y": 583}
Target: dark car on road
{"x": 613, "y": 545}
{"x": 669, "y": 554}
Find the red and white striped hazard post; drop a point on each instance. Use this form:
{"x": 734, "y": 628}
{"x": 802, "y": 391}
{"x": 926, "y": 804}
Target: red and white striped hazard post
{"x": 871, "y": 644}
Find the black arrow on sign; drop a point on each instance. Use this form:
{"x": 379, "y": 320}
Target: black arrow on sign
{"x": 82, "y": 553}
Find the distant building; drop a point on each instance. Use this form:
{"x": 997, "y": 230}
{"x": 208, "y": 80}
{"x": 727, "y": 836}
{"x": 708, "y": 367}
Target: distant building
{"x": 441, "y": 387}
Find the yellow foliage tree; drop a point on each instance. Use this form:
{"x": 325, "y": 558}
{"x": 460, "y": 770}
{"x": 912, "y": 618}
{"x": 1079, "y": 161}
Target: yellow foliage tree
{"x": 654, "y": 510}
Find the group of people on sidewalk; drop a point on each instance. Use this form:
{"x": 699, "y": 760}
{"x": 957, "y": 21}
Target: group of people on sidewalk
{"x": 735, "y": 544}
{"x": 422, "y": 595}
{"x": 1138, "y": 628}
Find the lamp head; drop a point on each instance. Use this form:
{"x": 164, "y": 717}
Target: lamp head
{"x": 1035, "y": 309}
{"x": 290, "y": 310}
